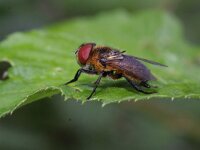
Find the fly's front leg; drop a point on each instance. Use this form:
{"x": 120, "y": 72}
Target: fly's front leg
{"x": 96, "y": 84}
{"x": 77, "y": 75}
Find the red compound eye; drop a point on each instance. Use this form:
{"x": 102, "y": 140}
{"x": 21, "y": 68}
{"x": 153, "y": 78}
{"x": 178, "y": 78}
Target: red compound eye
{"x": 84, "y": 53}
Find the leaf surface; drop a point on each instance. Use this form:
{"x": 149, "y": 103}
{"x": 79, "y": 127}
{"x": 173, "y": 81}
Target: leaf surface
{"x": 42, "y": 60}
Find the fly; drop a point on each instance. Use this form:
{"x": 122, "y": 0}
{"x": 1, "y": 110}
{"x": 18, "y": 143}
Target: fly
{"x": 106, "y": 61}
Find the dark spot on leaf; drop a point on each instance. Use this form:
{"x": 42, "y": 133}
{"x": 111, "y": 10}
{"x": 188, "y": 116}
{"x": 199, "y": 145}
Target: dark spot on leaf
{"x": 4, "y": 66}
{"x": 197, "y": 61}
{"x": 77, "y": 90}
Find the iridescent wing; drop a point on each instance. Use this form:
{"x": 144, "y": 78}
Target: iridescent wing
{"x": 149, "y": 61}
{"x": 107, "y": 57}
{"x": 118, "y": 55}
{"x": 128, "y": 65}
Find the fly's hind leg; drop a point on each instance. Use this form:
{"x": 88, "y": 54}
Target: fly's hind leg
{"x": 146, "y": 85}
{"x": 138, "y": 87}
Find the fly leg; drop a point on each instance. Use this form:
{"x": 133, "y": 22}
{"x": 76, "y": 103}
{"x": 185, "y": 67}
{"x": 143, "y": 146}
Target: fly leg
{"x": 145, "y": 84}
{"x": 96, "y": 84}
{"x": 138, "y": 87}
{"x": 114, "y": 76}
{"x": 78, "y": 73}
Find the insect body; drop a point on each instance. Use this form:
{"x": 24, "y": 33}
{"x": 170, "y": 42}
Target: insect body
{"x": 105, "y": 61}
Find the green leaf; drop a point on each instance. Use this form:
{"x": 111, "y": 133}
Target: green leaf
{"x": 44, "y": 59}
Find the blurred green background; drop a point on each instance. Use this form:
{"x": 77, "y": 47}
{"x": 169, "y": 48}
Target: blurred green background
{"x": 54, "y": 124}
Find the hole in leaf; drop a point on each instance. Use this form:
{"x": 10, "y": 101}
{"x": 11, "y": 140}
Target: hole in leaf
{"x": 4, "y": 66}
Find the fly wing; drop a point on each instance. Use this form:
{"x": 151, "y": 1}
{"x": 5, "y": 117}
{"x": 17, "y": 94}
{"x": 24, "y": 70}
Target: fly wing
{"x": 131, "y": 67}
{"x": 109, "y": 55}
{"x": 149, "y": 61}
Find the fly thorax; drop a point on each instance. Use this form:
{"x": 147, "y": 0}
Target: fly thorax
{"x": 89, "y": 67}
